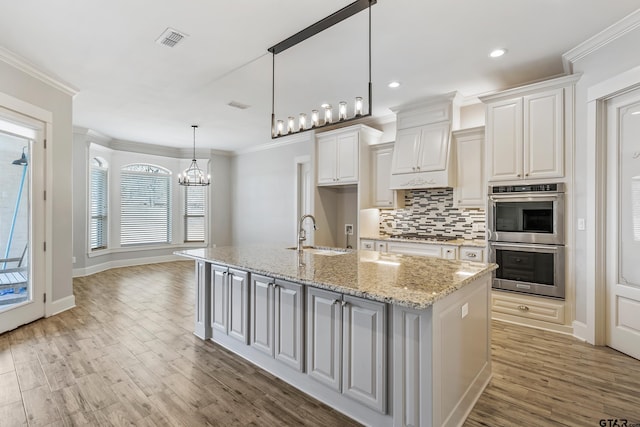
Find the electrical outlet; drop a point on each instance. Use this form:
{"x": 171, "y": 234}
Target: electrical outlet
{"x": 73, "y": 260}
{"x": 348, "y": 229}
{"x": 581, "y": 224}
{"x": 465, "y": 310}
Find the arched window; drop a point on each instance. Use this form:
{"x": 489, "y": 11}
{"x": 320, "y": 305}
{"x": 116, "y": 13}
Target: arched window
{"x": 145, "y": 204}
{"x": 99, "y": 204}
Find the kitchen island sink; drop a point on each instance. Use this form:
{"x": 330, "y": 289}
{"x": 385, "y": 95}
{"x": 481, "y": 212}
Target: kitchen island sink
{"x": 386, "y": 339}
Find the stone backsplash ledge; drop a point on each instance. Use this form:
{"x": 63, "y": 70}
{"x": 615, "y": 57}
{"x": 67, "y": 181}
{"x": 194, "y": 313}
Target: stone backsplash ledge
{"x": 431, "y": 212}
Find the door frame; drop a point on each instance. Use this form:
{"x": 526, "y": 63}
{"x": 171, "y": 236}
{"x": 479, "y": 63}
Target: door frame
{"x": 596, "y": 265}
{"x": 33, "y": 113}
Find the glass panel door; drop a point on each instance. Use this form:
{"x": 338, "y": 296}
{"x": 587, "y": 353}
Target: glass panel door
{"x": 15, "y": 283}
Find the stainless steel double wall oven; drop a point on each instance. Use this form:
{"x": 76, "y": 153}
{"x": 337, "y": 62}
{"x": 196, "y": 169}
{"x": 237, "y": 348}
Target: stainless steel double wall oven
{"x": 526, "y": 238}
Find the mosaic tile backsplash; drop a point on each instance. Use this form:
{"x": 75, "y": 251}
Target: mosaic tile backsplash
{"x": 431, "y": 213}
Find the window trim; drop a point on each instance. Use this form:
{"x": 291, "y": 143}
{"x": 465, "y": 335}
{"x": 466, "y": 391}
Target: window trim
{"x": 103, "y": 165}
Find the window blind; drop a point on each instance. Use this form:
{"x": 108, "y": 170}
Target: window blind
{"x": 145, "y": 206}
{"x": 99, "y": 208}
{"x": 194, "y": 214}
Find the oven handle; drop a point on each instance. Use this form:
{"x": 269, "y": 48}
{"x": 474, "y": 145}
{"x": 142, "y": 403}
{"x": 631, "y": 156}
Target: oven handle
{"x": 525, "y": 197}
{"x": 537, "y": 248}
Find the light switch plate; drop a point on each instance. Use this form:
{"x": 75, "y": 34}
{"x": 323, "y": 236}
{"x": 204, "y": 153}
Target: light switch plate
{"x": 465, "y": 310}
{"x": 581, "y": 224}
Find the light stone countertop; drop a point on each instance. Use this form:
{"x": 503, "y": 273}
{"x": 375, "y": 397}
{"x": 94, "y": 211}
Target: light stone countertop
{"x": 457, "y": 242}
{"x": 410, "y": 281}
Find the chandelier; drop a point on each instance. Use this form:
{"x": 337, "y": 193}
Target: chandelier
{"x": 281, "y": 128}
{"x": 193, "y": 175}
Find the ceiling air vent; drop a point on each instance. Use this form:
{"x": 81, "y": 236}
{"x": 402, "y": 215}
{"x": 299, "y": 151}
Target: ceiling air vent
{"x": 170, "y": 37}
{"x": 239, "y": 105}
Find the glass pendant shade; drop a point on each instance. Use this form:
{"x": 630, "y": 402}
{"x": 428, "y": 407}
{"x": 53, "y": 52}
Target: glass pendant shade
{"x": 193, "y": 175}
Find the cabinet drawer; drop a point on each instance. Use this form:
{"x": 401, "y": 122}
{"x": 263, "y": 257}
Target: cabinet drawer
{"x": 367, "y": 245}
{"x": 528, "y": 307}
{"x": 381, "y": 246}
{"x": 415, "y": 249}
{"x": 449, "y": 252}
{"x": 472, "y": 254}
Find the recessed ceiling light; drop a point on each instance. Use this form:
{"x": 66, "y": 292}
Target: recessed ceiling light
{"x": 497, "y": 53}
{"x": 394, "y": 84}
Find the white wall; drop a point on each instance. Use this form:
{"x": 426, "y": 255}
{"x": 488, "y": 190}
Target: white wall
{"x": 609, "y": 60}
{"x": 20, "y": 85}
{"x": 264, "y": 199}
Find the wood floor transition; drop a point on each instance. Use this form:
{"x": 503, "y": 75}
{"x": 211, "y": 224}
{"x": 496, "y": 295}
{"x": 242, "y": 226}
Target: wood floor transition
{"x": 126, "y": 355}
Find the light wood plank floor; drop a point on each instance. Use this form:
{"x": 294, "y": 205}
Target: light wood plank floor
{"x": 126, "y": 355}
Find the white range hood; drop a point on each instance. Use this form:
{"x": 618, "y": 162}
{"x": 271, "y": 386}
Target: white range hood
{"x": 423, "y": 155}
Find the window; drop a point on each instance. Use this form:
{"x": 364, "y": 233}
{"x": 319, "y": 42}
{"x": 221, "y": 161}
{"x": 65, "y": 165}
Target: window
{"x": 194, "y": 211}
{"x": 99, "y": 204}
{"x": 145, "y": 205}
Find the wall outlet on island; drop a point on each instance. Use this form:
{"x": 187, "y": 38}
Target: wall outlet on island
{"x": 348, "y": 229}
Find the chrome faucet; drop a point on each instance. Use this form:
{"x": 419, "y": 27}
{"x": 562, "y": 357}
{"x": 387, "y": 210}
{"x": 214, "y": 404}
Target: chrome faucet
{"x": 302, "y": 233}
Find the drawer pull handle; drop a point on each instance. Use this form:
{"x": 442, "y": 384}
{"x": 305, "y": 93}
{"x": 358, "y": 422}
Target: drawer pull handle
{"x": 471, "y": 255}
{"x": 523, "y": 308}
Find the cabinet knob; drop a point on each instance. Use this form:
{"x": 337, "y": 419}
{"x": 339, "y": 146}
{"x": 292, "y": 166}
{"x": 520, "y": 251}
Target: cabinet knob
{"x": 390, "y": 202}
{"x": 413, "y": 168}
{"x": 526, "y": 174}
{"x": 523, "y": 308}
{"x": 418, "y": 168}
{"x": 471, "y": 255}
{"x": 518, "y": 175}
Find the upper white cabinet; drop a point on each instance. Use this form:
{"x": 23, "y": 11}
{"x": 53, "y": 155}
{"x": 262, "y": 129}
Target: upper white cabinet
{"x": 338, "y": 154}
{"x": 382, "y": 196}
{"x": 470, "y": 189}
{"x": 422, "y": 153}
{"x": 526, "y": 128}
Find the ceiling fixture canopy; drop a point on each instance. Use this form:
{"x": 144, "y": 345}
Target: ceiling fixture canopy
{"x": 278, "y": 126}
{"x": 193, "y": 175}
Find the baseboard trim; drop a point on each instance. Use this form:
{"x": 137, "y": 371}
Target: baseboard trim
{"x": 87, "y": 271}
{"x": 60, "y": 305}
{"x": 580, "y": 330}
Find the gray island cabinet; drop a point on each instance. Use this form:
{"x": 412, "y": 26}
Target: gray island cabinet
{"x": 389, "y": 340}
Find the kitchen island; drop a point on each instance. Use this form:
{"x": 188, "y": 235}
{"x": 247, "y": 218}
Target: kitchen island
{"x": 386, "y": 339}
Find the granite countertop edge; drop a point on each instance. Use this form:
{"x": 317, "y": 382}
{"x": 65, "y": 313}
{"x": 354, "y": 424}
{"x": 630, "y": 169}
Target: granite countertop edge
{"x": 421, "y": 300}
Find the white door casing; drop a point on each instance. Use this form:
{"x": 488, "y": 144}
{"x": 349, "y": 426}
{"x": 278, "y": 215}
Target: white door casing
{"x": 623, "y": 223}
{"x": 33, "y": 132}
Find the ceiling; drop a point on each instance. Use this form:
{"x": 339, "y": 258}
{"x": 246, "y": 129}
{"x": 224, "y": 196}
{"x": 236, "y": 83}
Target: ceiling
{"x": 133, "y": 89}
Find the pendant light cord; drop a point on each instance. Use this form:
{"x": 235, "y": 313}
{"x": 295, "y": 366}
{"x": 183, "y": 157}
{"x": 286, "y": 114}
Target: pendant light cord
{"x": 194, "y": 141}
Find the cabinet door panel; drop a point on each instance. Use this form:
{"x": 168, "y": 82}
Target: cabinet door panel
{"x": 220, "y": 298}
{"x": 326, "y": 160}
{"x": 543, "y": 135}
{"x": 470, "y": 185}
{"x": 238, "y": 305}
{"x": 382, "y": 195}
{"x": 347, "y": 158}
{"x": 405, "y": 151}
{"x": 364, "y": 352}
{"x": 262, "y": 313}
{"x": 504, "y": 139}
{"x": 324, "y": 338}
{"x": 289, "y": 324}
{"x": 434, "y": 147}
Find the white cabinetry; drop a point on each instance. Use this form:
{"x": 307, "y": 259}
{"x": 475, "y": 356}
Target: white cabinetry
{"x": 381, "y": 194}
{"x": 367, "y": 245}
{"x": 230, "y": 302}
{"x": 346, "y": 346}
{"x": 421, "y": 149}
{"x": 276, "y": 319}
{"x": 505, "y": 305}
{"x": 472, "y": 253}
{"x": 423, "y": 249}
{"x": 470, "y": 189}
{"x": 526, "y": 130}
{"x": 338, "y": 156}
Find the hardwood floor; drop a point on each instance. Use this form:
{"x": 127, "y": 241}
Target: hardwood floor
{"x": 126, "y": 355}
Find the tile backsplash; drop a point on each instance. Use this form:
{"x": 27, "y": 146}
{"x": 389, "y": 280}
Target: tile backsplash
{"x": 431, "y": 212}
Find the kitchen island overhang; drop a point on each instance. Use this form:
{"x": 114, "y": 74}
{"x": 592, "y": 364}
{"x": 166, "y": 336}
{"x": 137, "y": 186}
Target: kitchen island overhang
{"x": 386, "y": 339}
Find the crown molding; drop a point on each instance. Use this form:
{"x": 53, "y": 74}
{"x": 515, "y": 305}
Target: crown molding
{"x": 604, "y": 37}
{"x": 551, "y": 83}
{"x": 23, "y": 65}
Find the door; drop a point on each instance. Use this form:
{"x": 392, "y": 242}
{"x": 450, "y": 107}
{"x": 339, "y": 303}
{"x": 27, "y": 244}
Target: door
{"x": 220, "y": 298}
{"x": 22, "y": 230}
{"x": 405, "y": 150}
{"x": 324, "y": 326}
{"x": 239, "y": 305}
{"x": 543, "y": 137}
{"x": 347, "y": 158}
{"x": 434, "y": 147}
{"x": 623, "y": 223}
{"x": 364, "y": 352}
{"x": 289, "y": 337}
{"x": 504, "y": 139}
{"x": 262, "y": 313}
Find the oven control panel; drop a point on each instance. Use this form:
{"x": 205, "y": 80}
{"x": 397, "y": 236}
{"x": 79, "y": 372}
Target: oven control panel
{"x": 534, "y": 188}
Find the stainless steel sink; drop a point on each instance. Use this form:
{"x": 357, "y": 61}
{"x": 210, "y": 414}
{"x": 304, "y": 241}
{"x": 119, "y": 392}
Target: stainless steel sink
{"x": 321, "y": 251}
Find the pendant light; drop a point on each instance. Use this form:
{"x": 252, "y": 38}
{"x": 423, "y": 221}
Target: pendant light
{"x": 193, "y": 175}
